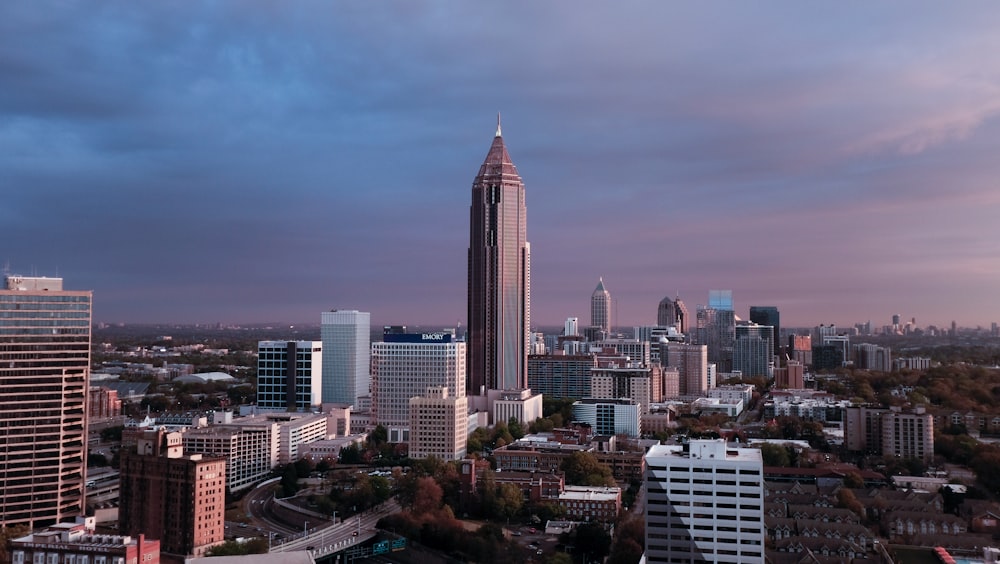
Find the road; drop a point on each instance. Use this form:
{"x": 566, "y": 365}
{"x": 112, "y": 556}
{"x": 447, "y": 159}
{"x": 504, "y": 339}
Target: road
{"x": 334, "y": 538}
{"x": 256, "y": 506}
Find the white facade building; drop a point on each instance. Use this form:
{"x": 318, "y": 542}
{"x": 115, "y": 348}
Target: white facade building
{"x": 704, "y": 503}
{"x": 610, "y": 416}
{"x": 439, "y": 425}
{"x": 289, "y": 375}
{"x": 404, "y": 365}
{"x": 346, "y": 355}
{"x": 519, "y": 404}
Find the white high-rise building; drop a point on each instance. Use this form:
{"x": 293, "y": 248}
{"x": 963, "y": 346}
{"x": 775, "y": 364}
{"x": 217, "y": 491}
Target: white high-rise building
{"x": 289, "y": 375}
{"x": 404, "y": 365}
{"x": 600, "y": 308}
{"x": 704, "y": 503}
{"x": 346, "y": 355}
{"x": 572, "y": 327}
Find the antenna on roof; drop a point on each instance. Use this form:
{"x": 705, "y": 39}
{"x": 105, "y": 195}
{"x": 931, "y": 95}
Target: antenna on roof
{"x": 498, "y": 124}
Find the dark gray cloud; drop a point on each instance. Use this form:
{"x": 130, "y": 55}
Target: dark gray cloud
{"x": 241, "y": 161}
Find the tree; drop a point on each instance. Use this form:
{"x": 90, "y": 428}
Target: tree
{"x": 515, "y": 428}
{"x": 628, "y": 547}
{"x": 509, "y": 500}
{"x": 847, "y": 500}
{"x": 583, "y": 469}
{"x": 592, "y": 541}
{"x": 428, "y": 497}
{"x": 775, "y": 455}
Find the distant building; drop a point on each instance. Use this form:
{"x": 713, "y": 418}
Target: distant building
{"x": 890, "y": 432}
{"x": 790, "y": 376}
{"x": 753, "y": 350}
{"x": 346, "y": 342}
{"x": 768, "y": 315}
{"x": 560, "y": 376}
{"x": 641, "y": 384}
{"x": 691, "y": 362}
{"x": 290, "y": 375}
{"x": 103, "y": 403}
{"x": 800, "y": 349}
{"x": 44, "y": 381}
{"x": 610, "y": 416}
{"x": 438, "y": 425}
{"x": 404, "y": 365}
{"x": 716, "y": 328}
{"x": 704, "y": 503}
{"x": 176, "y": 498}
{"x": 600, "y": 308}
{"x": 868, "y": 356}
{"x": 76, "y": 543}
{"x": 668, "y": 314}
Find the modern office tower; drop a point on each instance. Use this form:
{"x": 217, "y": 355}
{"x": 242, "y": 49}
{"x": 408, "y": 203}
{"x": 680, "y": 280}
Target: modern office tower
{"x": 672, "y": 313}
{"x": 800, "y": 348}
{"x": 572, "y": 327}
{"x": 790, "y": 376}
{"x": 289, "y": 375}
{"x": 691, "y": 361}
{"x": 704, "y": 503}
{"x": 176, "y": 498}
{"x": 768, "y": 315}
{"x": 868, "y": 356}
{"x": 642, "y": 384}
{"x": 499, "y": 293}
{"x": 438, "y": 425}
{"x": 621, "y": 416}
{"x": 600, "y": 308}
{"x": 346, "y": 350}
{"x": 717, "y": 328}
{"x": 560, "y": 376}
{"x": 405, "y": 365}
{"x": 44, "y": 374}
{"x": 753, "y": 350}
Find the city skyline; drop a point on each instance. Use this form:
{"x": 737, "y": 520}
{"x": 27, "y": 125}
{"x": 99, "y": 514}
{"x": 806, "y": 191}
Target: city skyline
{"x": 248, "y": 162}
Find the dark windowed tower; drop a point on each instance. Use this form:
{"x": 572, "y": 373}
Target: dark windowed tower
{"x": 499, "y": 276}
{"x": 768, "y": 315}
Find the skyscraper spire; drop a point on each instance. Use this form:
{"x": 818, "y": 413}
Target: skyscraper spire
{"x": 499, "y": 276}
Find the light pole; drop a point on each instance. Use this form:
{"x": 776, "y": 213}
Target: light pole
{"x": 305, "y": 528}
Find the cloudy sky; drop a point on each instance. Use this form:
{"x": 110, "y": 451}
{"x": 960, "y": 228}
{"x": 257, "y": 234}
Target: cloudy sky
{"x": 265, "y": 161}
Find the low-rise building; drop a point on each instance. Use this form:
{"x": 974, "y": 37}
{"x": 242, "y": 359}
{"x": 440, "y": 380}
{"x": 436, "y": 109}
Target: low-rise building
{"x": 585, "y": 503}
{"x": 76, "y": 543}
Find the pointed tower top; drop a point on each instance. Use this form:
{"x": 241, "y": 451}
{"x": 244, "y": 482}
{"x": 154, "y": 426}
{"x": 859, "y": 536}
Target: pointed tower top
{"x": 498, "y": 125}
{"x": 600, "y": 285}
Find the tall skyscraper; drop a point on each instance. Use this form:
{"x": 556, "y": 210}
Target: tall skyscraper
{"x": 499, "y": 306}
{"x": 768, "y": 315}
{"x": 346, "y": 352}
{"x": 717, "y": 328}
{"x": 44, "y": 374}
{"x": 600, "y": 308}
{"x": 289, "y": 375}
{"x": 672, "y": 313}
